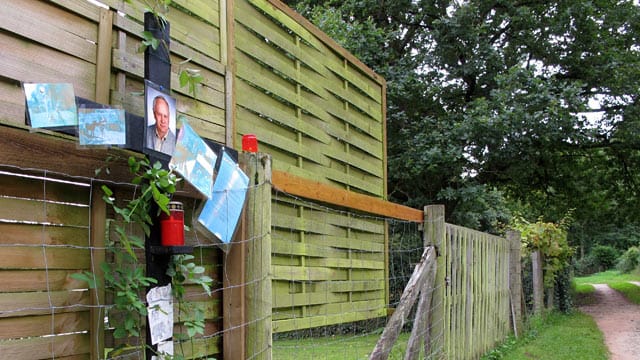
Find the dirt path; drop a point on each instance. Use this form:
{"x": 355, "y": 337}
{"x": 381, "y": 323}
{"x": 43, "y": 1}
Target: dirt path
{"x": 619, "y": 321}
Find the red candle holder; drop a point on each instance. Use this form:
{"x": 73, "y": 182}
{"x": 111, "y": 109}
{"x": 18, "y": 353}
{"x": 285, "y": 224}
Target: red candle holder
{"x": 249, "y": 143}
{"x": 172, "y": 225}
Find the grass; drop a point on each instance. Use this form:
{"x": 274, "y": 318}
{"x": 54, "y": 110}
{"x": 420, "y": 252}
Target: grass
{"x": 555, "y": 336}
{"x": 614, "y": 279}
{"x": 607, "y": 277}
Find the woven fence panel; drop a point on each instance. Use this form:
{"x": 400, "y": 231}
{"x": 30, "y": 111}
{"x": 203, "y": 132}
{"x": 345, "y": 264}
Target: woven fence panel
{"x": 313, "y": 107}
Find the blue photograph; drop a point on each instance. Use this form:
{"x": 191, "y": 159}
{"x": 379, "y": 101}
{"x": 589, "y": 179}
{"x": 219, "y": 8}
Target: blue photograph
{"x": 194, "y": 160}
{"x": 101, "y": 127}
{"x": 220, "y": 214}
{"x": 50, "y": 105}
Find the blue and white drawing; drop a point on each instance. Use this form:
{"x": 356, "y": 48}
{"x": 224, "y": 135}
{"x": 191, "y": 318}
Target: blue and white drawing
{"x": 194, "y": 160}
{"x": 101, "y": 127}
{"x": 51, "y": 105}
{"x": 220, "y": 214}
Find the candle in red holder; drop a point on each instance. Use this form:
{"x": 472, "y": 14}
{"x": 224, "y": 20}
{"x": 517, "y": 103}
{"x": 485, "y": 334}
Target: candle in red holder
{"x": 172, "y": 225}
{"x": 249, "y": 143}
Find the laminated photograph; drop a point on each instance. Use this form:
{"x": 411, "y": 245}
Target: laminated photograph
{"x": 219, "y": 216}
{"x": 160, "y": 115}
{"x": 101, "y": 127}
{"x": 50, "y": 105}
{"x": 194, "y": 160}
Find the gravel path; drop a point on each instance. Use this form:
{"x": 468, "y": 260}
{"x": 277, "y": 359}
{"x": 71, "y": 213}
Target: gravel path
{"x": 619, "y": 321}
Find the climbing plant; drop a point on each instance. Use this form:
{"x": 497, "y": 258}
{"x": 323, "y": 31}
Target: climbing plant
{"x": 124, "y": 275}
{"x": 551, "y": 240}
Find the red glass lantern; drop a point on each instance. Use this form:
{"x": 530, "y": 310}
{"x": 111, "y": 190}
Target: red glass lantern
{"x": 172, "y": 225}
{"x": 250, "y": 143}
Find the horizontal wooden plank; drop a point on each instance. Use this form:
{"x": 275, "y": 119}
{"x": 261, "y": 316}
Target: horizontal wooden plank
{"x": 35, "y": 211}
{"x": 357, "y": 160}
{"x": 31, "y": 234}
{"x": 38, "y": 280}
{"x": 133, "y": 29}
{"x": 200, "y": 347}
{"x": 25, "y": 61}
{"x": 326, "y": 40}
{"x": 190, "y": 30}
{"x": 21, "y": 185}
{"x": 204, "y": 9}
{"x": 318, "y": 298}
{"x": 333, "y": 175}
{"x": 275, "y": 58}
{"x": 32, "y": 326}
{"x": 35, "y": 257}
{"x": 56, "y": 347}
{"x": 325, "y": 320}
{"x": 266, "y": 79}
{"x": 311, "y": 226}
{"x": 345, "y": 263}
{"x": 44, "y": 146}
{"x": 329, "y": 194}
{"x": 51, "y": 26}
{"x": 85, "y": 9}
{"x": 296, "y": 273}
{"x": 39, "y": 303}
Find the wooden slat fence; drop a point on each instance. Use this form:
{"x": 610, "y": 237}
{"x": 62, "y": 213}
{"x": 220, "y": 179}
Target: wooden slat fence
{"x": 472, "y": 306}
{"x": 44, "y": 238}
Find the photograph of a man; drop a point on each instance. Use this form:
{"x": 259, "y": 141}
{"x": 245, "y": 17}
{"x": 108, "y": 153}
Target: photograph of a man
{"x": 161, "y": 121}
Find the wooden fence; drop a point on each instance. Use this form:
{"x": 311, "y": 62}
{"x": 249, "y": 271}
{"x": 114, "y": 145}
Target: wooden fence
{"x": 478, "y": 288}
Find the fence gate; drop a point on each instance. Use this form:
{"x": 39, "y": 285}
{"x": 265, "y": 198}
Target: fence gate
{"x": 472, "y": 305}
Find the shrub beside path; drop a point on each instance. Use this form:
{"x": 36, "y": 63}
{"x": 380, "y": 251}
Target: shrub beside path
{"x": 619, "y": 321}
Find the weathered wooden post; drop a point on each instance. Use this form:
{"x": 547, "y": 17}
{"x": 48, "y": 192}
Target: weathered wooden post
{"x": 538, "y": 282}
{"x": 259, "y": 296}
{"x": 434, "y": 235}
{"x": 515, "y": 280}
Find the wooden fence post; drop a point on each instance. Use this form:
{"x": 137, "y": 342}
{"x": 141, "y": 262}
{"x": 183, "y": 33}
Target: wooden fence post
{"x": 538, "y": 284}
{"x": 434, "y": 235}
{"x": 515, "y": 280}
{"x": 258, "y": 277}
{"x": 98, "y": 228}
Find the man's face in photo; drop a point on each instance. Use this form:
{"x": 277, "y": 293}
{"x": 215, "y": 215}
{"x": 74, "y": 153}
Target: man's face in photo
{"x": 161, "y": 114}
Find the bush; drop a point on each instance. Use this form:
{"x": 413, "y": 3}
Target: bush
{"x": 605, "y": 256}
{"x": 586, "y": 266}
{"x": 629, "y": 260}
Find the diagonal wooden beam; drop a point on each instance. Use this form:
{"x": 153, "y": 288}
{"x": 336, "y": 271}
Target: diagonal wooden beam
{"x": 318, "y": 191}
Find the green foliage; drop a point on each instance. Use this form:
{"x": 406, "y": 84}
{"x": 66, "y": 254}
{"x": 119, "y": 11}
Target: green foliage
{"x": 605, "y": 256}
{"x": 125, "y": 277}
{"x": 496, "y": 94}
{"x": 183, "y": 271}
{"x": 551, "y": 240}
{"x": 629, "y": 261}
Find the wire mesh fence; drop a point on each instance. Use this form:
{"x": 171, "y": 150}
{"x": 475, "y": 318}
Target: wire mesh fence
{"x": 316, "y": 281}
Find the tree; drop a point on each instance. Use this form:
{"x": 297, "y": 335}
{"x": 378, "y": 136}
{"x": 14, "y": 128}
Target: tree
{"x": 535, "y": 102}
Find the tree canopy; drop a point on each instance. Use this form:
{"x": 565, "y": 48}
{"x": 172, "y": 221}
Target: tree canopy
{"x": 496, "y": 107}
